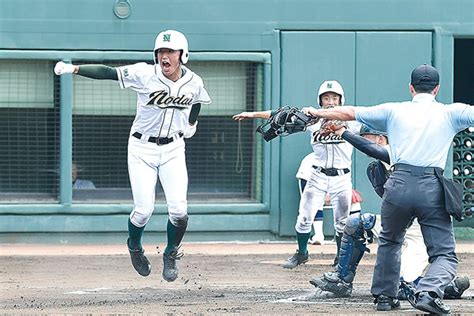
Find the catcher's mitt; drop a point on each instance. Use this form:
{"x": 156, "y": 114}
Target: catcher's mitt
{"x": 286, "y": 120}
{"x": 330, "y": 126}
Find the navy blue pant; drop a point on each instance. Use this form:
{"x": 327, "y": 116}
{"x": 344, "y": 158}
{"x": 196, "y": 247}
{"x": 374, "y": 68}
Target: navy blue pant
{"x": 414, "y": 192}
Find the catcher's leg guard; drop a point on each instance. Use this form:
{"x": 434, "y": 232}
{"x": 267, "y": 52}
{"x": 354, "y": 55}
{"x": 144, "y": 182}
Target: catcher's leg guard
{"x": 352, "y": 248}
{"x": 351, "y": 252}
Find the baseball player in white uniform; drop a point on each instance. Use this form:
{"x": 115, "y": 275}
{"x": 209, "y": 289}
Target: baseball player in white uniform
{"x": 331, "y": 174}
{"x": 169, "y": 98}
{"x": 303, "y": 174}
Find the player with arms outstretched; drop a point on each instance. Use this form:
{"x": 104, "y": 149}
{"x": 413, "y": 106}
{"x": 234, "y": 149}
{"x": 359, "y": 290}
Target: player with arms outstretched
{"x": 169, "y": 98}
{"x": 331, "y": 174}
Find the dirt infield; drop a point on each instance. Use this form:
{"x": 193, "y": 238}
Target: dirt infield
{"x": 215, "y": 278}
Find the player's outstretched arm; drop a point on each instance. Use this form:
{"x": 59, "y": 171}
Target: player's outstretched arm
{"x": 100, "y": 72}
{"x": 342, "y": 113}
{"x": 252, "y": 115}
{"x": 364, "y": 145}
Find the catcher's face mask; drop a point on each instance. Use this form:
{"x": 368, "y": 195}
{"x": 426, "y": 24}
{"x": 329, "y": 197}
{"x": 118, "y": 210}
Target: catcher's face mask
{"x": 285, "y": 121}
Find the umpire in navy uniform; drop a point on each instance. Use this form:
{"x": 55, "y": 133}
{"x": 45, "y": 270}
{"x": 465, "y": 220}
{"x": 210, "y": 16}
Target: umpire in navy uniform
{"x": 420, "y": 134}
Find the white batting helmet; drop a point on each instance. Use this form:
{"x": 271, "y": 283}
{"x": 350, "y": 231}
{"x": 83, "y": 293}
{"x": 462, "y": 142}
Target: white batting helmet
{"x": 331, "y": 86}
{"x": 173, "y": 40}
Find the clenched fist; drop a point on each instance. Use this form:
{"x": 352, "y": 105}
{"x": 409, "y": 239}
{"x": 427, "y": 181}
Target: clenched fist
{"x": 331, "y": 126}
{"x": 63, "y": 68}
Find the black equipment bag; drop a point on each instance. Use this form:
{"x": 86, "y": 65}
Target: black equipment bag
{"x": 452, "y": 196}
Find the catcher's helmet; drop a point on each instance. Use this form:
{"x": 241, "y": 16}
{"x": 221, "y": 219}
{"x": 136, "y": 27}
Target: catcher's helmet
{"x": 173, "y": 40}
{"x": 331, "y": 86}
{"x": 364, "y": 130}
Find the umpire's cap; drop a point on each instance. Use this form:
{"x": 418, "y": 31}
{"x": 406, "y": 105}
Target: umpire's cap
{"x": 425, "y": 75}
{"x": 365, "y": 130}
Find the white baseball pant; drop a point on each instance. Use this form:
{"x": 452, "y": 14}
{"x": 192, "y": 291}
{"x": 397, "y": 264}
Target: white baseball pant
{"x": 146, "y": 160}
{"x": 339, "y": 189}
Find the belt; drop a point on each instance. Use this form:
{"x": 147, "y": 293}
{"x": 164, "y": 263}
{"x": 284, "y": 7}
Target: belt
{"x": 159, "y": 140}
{"x": 416, "y": 170}
{"x": 332, "y": 172}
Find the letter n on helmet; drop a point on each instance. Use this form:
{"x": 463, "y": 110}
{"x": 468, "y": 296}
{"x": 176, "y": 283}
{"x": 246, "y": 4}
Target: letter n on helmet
{"x": 173, "y": 40}
{"x": 331, "y": 86}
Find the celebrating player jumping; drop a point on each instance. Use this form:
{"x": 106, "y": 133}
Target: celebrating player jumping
{"x": 169, "y": 97}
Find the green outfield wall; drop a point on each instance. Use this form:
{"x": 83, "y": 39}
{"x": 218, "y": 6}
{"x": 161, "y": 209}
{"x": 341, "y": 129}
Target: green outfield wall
{"x": 252, "y": 55}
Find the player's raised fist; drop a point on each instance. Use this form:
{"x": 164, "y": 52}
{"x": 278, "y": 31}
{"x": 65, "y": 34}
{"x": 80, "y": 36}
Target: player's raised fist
{"x": 63, "y": 68}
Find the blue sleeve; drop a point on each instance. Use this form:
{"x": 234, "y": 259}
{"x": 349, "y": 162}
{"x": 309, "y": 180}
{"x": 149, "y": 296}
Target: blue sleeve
{"x": 366, "y": 146}
{"x": 462, "y": 116}
{"x": 375, "y": 117}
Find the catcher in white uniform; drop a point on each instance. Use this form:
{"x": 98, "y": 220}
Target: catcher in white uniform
{"x": 169, "y": 98}
{"x": 331, "y": 174}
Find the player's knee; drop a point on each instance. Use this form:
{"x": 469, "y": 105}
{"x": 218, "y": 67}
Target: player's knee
{"x": 303, "y": 225}
{"x": 352, "y": 224}
{"x": 178, "y": 213}
{"x": 139, "y": 218}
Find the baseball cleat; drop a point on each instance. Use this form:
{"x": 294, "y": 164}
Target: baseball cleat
{"x": 296, "y": 260}
{"x": 330, "y": 282}
{"x": 139, "y": 261}
{"x": 456, "y": 288}
{"x": 385, "y": 303}
{"x": 433, "y": 305}
{"x": 170, "y": 269}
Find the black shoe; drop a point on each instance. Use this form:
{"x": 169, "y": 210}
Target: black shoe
{"x": 170, "y": 269}
{"x": 456, "y": 288}
{"x": 425, "y": 302}
{"x": 385, "y": 303}
{"x": 296, "y": 260}
{"x": 330, "y": 282}
{"x": 139, "y": 261}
